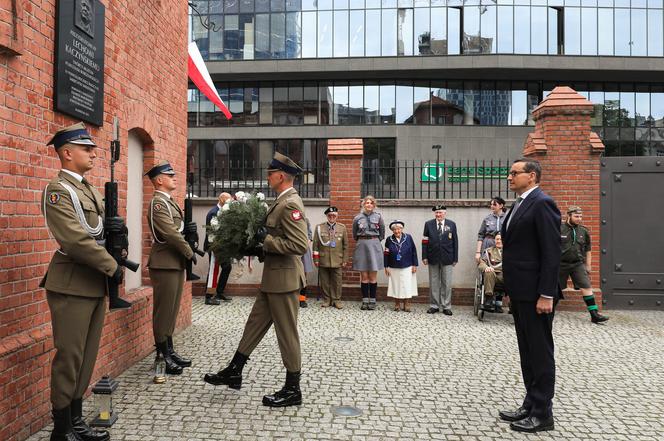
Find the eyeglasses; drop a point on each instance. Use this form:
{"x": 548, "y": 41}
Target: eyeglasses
{"x": 513, "y": 173}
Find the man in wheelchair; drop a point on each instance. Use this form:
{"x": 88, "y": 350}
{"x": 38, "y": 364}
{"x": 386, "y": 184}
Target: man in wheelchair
{"x": 491, "y": 268}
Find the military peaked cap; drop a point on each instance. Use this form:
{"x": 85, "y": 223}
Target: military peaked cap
{"x": 74, "y": 134}
{"x": 331, "y": 210}
{"x": 163, "y": 168}
{"x": 285, "y": 164}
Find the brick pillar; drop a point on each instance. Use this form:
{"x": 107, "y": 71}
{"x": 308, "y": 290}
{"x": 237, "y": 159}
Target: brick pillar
{"x": 345, "y": 156}
{"x": 569, "y": 153}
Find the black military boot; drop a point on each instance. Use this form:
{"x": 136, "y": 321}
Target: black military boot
{"x": 172, "y": 368}
{"x": 231, "y": 375}
{"x": 211, "y": 300}
{"x": 180, "y": 361}
{"x": 289, "y": 395}
{"x": 62, "y": 430}
{"x": 78, "y": 424}
{"x": 596, "y": 317}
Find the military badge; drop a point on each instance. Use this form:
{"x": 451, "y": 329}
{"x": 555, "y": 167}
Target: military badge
{"x": 157, "y": 207}
{"x": 53, "y": 198}
{"x": 296, "y": 215}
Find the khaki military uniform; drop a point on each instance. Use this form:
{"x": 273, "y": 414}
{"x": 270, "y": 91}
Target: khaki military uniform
{"x": 75, "y": 283}
{"x": 330, "y": 259}
{"x": 493, "y": 257}
{"x": 283, "y": 277}
{"x": 575, "y": 245}
{"x": 168, "y": 257}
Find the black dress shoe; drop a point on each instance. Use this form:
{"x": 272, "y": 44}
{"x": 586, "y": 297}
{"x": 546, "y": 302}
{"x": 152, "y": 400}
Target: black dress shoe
{"x": 210, "y": 300}
{"x": 221, "y": 296}
{"x": 513, "y": 415}
{"x": 289, "y": 395}
{"x": 81, "y": 428}
{"x": 532, "y": 424}
{"x": 447, "y": 311}
{"x": 596, "y": 317}
{"x": 432, "y": 310}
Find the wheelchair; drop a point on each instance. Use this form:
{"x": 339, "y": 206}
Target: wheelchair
{"x": 479, "y": 308}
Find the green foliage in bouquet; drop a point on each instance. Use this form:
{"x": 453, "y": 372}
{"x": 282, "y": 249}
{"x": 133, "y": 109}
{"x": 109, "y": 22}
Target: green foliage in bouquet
{"x": 231, "y": 233}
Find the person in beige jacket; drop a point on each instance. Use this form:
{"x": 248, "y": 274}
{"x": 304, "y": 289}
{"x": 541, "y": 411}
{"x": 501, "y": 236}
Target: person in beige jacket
{"x": 284, "y": 242}
{"x": 167, "y": 260}
{"x": 330, "y": 256}
{"x": 75, "y": 282}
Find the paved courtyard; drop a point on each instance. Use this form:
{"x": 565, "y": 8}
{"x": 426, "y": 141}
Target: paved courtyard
{"x": 414, "y": 376}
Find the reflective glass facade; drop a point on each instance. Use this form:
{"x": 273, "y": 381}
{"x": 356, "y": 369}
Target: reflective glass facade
{"x": 290, "y": 29}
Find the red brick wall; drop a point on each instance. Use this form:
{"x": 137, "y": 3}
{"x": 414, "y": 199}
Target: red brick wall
{"x": 145, "y": 86}
{"x": 569, "y": 153}
{"x": 345, "y": 157}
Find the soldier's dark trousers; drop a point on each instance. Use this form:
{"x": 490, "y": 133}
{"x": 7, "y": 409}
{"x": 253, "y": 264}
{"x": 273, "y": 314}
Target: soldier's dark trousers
{"x": 281, "y": 309}
{"x": 167, "y": 292}
{"x": 77, "y": 324}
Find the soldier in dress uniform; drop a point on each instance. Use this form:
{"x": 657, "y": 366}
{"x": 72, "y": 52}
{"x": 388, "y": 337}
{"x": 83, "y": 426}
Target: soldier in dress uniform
{"x": 76, "y": 280}
{"x": 330, "y": 256}
{"x": 168, "y": 257}
{"x": 284, "y": 243}
{"x": 576, "y": 260}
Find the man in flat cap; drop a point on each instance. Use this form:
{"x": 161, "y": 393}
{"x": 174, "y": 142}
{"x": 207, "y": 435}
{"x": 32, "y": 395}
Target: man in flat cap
{"x": 330, "y": 256}
{"x": 284, "y": 242}
{"x": 167, "y": 261}
{"x": 576, "y": 260}
{"x": 75, "y": 282}
{"x": 440, "y": 251}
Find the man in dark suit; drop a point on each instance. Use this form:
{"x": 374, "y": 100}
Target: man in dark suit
{"x": 225, "y": 267}
{"x": 440, "y": 251}
{"x": 531, "y": 261}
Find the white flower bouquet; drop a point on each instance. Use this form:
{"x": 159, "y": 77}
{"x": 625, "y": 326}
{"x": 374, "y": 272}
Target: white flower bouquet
{"x": 231, "y": 232}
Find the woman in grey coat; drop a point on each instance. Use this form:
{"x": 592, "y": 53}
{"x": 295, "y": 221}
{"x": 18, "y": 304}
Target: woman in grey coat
{"x": 368, "y": 232}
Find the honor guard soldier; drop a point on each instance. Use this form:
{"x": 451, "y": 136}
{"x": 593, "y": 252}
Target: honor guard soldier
{"x": 576, "y": 260}
{"x": 168, "y": 257}
{"x": 284, "y": 240}
{"x": 330, "y": 256}
{"x": 75, "y": 282}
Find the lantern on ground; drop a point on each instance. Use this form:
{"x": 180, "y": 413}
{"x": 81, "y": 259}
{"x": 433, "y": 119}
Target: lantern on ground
{"x": 103, "y": 392}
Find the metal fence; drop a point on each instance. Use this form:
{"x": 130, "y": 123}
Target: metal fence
{"x": 445, "y": 179}
{"x": 249, "y": 176}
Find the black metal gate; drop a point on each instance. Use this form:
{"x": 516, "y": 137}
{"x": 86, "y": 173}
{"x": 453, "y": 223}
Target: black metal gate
{"x": 632, "y": 232}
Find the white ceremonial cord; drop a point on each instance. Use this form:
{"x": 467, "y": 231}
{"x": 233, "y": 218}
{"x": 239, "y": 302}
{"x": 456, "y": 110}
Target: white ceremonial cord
{"x": 170, "y": 213}
{"x": 94, "y": 232}
{"x": 321, "y": 239}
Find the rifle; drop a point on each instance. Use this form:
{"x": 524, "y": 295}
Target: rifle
{"x": 190, "y": 230}
{"x": 115, "y": 230}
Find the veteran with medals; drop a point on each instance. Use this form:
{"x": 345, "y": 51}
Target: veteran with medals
{"x": 330, "y": 256}
{"x": 284, "y": 241}
{"x": 75, "y": 282}
{"x": 168, "y": 257}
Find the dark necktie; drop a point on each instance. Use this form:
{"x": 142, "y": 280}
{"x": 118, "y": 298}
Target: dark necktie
{"x": 440, "y": 228}
{"x": 514, "y": 209}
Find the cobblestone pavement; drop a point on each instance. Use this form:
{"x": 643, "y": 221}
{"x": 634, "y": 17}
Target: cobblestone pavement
{"x": 414, "y": 376}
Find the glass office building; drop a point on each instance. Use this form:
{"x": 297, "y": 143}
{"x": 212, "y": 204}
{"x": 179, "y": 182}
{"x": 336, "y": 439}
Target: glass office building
{"x": 407, "y": 74}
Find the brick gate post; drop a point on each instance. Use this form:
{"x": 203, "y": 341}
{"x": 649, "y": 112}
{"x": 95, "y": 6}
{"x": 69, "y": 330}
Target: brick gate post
{"x": 345, "y": 157}
{"x": 569, "y": 153}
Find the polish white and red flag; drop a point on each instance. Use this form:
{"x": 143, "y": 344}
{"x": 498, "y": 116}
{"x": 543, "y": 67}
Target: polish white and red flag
{"x": 199, "y": 74}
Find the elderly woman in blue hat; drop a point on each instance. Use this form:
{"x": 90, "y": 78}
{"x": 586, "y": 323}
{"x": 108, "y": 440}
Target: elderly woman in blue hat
{"x": 400, "y": 259}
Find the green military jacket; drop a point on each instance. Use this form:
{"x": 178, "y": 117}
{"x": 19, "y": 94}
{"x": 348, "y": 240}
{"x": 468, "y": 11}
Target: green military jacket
{"x": 324, "y": 254}
{"x": 575, "y": 243}
{"x": 169, "y": 249}
{"x": 285, "y": 244}
{"x": 74, "y": 214}
{"x": 492, "y": 257}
